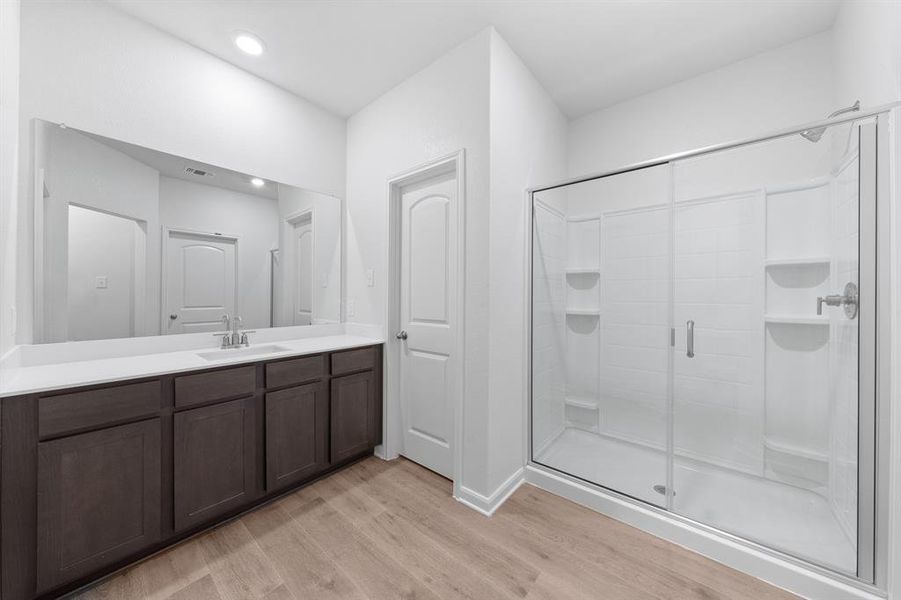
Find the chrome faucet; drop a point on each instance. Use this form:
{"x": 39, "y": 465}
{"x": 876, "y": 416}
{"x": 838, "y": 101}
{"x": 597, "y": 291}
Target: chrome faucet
{"x": 233, "y": 336}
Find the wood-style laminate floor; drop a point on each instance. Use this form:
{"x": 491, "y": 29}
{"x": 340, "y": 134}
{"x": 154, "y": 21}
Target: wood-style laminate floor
{"x": 392, "y": 530}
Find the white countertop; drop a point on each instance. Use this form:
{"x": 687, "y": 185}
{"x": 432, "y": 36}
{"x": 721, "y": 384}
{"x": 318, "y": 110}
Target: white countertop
{"x": 45, "y": 377}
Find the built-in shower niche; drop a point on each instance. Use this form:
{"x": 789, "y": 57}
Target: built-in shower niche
{"x": 798, "y": 269}
{"x": 583, "y": 289}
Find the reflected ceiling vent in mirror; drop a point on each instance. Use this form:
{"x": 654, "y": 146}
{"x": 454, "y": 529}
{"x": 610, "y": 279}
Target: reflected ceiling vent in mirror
{"x": 197, "y": 172}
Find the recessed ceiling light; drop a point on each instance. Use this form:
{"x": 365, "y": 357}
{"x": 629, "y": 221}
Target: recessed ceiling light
{"x": 249, "y": 43}
{"x": 257, "y": 182}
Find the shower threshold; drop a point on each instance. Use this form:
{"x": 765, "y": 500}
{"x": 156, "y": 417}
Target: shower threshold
{"x": 787, "y": 518}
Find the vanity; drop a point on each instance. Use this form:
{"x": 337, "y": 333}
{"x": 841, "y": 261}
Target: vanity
{"x": 186, "y": 357}
{"x": 95, "y": 477}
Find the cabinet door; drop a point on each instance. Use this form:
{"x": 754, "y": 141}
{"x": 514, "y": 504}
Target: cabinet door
{"x": 296, "y": 434}
{"x": 354, "y": 415}
{"x": 98, "y": 500}
{"x": 214, "y": 461}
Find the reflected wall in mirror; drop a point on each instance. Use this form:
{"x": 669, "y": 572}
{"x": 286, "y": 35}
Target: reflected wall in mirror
{"x": 130, "y": 242}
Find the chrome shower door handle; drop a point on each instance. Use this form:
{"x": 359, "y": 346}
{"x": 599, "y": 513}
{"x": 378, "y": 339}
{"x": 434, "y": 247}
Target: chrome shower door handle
{"x": 690, "y": 338}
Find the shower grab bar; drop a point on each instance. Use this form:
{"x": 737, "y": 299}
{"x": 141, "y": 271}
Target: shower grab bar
{"x": 690, "y": 338}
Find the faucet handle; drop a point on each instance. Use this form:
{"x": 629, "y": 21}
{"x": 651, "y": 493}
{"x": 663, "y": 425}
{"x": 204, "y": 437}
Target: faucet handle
{"x": 244, "y": 341}
{"x": 226, "y": 338}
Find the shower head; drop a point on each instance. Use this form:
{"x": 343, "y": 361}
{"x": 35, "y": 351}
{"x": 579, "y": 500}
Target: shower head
{"x": 815, "y": 134}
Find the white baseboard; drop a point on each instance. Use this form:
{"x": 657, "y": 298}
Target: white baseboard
{"x": 805, "y": 581}
{"x": 488, "y": 504}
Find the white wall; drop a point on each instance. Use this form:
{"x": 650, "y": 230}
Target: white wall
{"x": 83, "y": 171}
{"x": 99, "y": 313}
{"x": 253, "y": 219}
{"x": 527, "y": 148}
{"x": 9, "y": 140}
{"x": 327, "y": 212}
{"x": 786, "y": 86}
{"x": 142, "y": 86}
{"x": 867, "y": 51}
{"x": 436, "y": 112}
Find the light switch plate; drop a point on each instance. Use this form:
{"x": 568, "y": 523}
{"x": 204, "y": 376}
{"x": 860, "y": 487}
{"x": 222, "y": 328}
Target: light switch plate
{"x": 370, "y": 277}
{"x": 351, "y": 306}
{"x": 101, "y": 282}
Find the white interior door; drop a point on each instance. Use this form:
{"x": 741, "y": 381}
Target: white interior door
{"x": 303, "y": 273}
{"x": 200, "y": 281}
{"x": 428, "y": 318}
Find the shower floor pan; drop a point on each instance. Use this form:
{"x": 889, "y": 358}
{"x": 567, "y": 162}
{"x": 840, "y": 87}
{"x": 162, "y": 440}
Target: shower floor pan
{"x": 788, "y": 518}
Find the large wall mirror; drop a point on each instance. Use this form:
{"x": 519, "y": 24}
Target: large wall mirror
{"x": 131, "y": 242}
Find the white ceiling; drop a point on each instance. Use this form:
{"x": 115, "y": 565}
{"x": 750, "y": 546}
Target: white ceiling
{"x": 588, "y": 54}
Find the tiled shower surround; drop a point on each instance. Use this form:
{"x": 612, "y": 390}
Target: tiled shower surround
{"x": 765, "y": 412}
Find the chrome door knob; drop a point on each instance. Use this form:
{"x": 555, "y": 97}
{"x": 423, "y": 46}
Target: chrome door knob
{"x": 401, "y": 336}
{"x": 172, "y": 317}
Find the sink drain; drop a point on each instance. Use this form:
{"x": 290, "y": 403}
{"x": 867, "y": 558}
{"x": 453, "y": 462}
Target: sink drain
{"x": 661, "y": 489}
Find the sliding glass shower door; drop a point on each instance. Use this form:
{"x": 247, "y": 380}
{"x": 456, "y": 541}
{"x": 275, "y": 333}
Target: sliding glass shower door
{"x": 601, "y": 317}
{"x": 703, "y": 340}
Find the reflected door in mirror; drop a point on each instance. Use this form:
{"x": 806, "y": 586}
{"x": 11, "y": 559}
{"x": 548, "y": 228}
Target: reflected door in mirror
{"x": 200, "y": 281}
{"x": 303, "y": 272}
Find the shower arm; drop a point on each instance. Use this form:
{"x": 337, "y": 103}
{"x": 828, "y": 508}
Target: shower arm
{"x": 853, "y": 108}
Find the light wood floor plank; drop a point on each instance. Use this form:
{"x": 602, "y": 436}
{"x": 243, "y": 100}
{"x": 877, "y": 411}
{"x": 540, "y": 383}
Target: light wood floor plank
{"x": 240, "y": 568}
{"x": 388, "y": 530}
{"x": 307, "y": 572}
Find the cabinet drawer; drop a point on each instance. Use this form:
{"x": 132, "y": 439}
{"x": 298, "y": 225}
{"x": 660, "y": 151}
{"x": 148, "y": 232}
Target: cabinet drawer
{"x": 294, "y": 371}
{"x": 191, "y": 390}
{"x": 353, "y": 360}
{"x": 80, "y": 411}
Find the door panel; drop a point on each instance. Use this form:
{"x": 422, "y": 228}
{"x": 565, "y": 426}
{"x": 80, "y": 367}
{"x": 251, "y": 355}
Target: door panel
{"x": 214, "y": 462}
{"x": 429, "y": 257}
{"x": 98, "y": 500}
{"x": 303, "y": 273}
{"x": 200, "y": 282}
{"x": 296, "y": 434}
{"x": 600, "y": 342}
{"x": 354, "y": 415}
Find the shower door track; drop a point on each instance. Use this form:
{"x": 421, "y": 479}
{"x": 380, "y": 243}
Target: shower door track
{"x": 873, "y": 441}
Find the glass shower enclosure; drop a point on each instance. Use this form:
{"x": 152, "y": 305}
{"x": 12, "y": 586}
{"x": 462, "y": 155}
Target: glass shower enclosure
{"x": 703, "y": 339}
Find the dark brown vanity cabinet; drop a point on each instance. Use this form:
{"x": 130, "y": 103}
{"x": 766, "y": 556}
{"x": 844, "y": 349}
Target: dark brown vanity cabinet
{"x": 98, "y": 500}
{"x": 296, "y": 434}
{"x": 214, "y": 460}
{"x": 96, "y": 477}
{"x": 353, "y": 419}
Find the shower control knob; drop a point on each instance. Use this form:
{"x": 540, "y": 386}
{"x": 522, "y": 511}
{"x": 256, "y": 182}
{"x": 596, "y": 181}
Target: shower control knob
{"x": 401, "y": 336}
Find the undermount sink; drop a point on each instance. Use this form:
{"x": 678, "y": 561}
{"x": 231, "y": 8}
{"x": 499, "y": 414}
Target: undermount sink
{"x": 215, "y": 355}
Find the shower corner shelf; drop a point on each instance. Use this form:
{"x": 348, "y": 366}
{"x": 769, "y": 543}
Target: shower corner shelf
{"x": 797, "y": 320}
{"x": 583, "y": 312}
{"x": 807, "y": 261}
{"x": 583, "y": 402}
